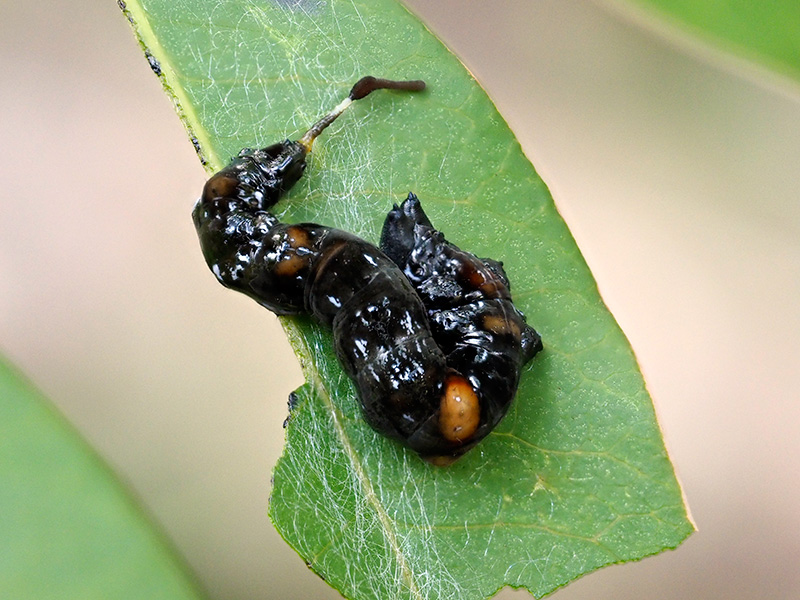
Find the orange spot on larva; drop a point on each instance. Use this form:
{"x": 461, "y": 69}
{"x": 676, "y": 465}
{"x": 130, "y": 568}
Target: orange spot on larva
{"x": 459, "y": 410}
{"x": 297, "y": 237}
{"x": 500, "y": 325}
{"x": 481, "y": 279}
{"x": 220, "y": 186}
{"x": 471, "y": 275}
{"x": 490, "y": 289}
{"x": 289, "y": 266}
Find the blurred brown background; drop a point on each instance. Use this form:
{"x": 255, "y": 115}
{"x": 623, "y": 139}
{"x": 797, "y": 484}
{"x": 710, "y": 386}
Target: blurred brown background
{"x": 677, "y": 175}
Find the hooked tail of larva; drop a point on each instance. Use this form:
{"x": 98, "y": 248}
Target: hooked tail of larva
{"x": 362, "y": 88}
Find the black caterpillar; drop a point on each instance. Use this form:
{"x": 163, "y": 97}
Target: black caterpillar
{"x": 427, "y": 332}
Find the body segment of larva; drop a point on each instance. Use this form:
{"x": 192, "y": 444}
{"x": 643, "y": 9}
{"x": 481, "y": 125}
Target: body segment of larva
{"x": 469, "y": 307}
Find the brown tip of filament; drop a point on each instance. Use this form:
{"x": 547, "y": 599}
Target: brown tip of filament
{"x": 367, "y": 85}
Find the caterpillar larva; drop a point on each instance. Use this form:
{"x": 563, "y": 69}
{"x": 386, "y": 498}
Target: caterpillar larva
{"x": 428, "y": 333}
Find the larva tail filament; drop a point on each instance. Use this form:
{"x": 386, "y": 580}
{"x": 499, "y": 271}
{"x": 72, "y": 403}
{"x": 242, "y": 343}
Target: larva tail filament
{"x": 362, "y": 88}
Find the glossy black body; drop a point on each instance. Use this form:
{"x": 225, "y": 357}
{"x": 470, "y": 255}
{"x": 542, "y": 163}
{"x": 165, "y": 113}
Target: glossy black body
{"x": 379, "y": 324}
{"x": 401, "y": 325}
{"x": 468, "y": 301}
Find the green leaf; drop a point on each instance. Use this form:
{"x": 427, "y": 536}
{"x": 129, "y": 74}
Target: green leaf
{"x": 576, "y": 477}
{"x": 68, "y": 528}
{"x": 767, "y": 33}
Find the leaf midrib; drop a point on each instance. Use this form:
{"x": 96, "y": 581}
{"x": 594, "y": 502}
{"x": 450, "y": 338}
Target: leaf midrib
{"x": 314, "y": 377}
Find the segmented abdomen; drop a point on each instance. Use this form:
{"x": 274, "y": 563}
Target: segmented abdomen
{"x": 428, "y": 334}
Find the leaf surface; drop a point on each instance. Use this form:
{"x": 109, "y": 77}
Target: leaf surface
{"x": 68, "y": 528}
{"x": 576, "y": 476}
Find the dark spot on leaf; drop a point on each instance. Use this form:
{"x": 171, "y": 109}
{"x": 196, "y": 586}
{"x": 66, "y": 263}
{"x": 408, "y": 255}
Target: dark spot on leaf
{"x": 294, "y": 400}
{"x": 125, "y": 10}
{"x": 199, "y": 150}
{"x": 320, "y": 575}
{"x": 154, "y": 64}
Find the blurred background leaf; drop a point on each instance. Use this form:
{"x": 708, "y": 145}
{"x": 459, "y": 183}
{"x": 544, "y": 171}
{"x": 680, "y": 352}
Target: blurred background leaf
{"x": 69, "y": 529}
{"x": 765, "y": 33}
